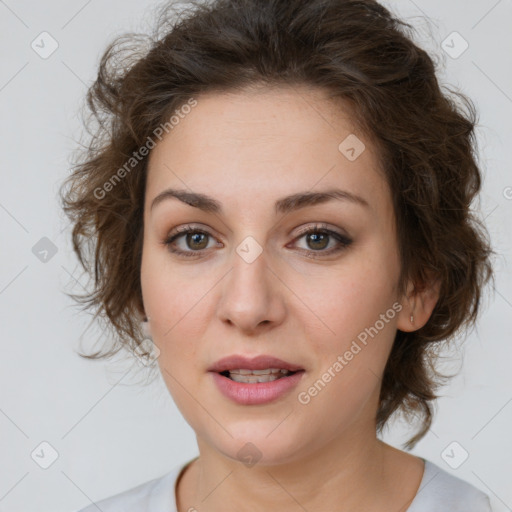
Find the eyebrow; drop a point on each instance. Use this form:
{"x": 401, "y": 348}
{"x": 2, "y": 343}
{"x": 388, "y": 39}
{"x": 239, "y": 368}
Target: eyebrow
{"x": 284, "y": 205}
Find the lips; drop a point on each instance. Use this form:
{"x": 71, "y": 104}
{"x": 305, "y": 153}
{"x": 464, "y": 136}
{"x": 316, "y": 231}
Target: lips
{"x": 255, "y": 381}
{"x": 262, "y": 362}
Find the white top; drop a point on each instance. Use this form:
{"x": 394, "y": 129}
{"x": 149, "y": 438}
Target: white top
{"x": 439, "y": 491}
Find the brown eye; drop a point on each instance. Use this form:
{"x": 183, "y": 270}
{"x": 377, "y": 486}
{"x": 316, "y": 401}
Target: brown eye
{"x": 192, "y": 242}
{"x": 196, "y": 240}
{"x": 318, "y": 240}
{"x": 189, "y": 241}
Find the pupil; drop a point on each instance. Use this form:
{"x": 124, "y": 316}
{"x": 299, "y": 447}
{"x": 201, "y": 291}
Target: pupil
{"x": 196, "y": 237}
{"x": 315, "y": 238}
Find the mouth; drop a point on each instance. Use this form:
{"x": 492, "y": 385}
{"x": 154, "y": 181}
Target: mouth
{"x": 247, "y": 376}
{"x": 263, "y": 367}
{"x": 252, "y": 381}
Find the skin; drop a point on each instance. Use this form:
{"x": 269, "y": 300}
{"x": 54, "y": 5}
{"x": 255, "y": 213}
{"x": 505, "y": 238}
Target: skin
{"x": 247, "y": 150}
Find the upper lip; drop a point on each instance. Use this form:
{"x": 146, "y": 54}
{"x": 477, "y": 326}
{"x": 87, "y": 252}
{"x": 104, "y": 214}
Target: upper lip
{"x": 261, "y": 362}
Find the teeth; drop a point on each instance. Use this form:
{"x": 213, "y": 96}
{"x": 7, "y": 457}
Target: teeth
{"x": 252, "y": 379}
{"x": 254, "y": 376}
{"x": 268, "y": 371}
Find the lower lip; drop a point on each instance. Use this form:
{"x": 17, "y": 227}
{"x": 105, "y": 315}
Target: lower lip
{"x": 257, "y": 393}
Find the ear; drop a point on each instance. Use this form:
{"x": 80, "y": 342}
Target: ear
{"x": 418, "y": 303}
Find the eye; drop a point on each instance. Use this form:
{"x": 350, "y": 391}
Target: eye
{"x": 318, "y": 239}
{"x": 193, "y": 241}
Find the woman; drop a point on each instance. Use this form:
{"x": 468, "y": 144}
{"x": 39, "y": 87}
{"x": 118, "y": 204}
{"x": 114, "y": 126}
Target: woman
{"x": 278, "y": 194}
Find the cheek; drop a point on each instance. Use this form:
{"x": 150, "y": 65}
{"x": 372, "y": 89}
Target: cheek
{"x": 350, "y": 299}
{"x": 178, "y": 300}
{"x": 169, "y": 292}
{"x": 177, "y": 317}
{"x": 352, "y": 348}
{"x": 175, "y": 309}
{"x": 355, "y": 334}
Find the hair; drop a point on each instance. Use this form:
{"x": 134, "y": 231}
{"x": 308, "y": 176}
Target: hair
{"x": 359, "y": 53}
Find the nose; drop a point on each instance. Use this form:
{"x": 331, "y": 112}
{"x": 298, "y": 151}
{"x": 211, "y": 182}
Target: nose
{"x": 252, "y": 295}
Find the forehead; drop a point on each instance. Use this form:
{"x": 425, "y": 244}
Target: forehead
{"x": 265, "y": 142}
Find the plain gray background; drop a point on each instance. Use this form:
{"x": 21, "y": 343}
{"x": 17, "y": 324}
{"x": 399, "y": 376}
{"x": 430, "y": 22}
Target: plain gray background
{"x": 110, "y": 431}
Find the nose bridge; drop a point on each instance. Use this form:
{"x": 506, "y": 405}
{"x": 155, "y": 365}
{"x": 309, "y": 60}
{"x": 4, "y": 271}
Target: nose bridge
{"x": 250, "y": 294}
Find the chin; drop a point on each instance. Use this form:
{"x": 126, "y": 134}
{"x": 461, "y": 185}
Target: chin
{"x": 260, "y": 442}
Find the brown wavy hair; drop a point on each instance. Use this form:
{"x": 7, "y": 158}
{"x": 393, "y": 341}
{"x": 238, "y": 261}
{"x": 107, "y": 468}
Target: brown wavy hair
{"x": 355, "y": 50}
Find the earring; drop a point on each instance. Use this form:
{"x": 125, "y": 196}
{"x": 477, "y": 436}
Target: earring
{"x": 412, "y": 319}
{"x": 145, "y": 328}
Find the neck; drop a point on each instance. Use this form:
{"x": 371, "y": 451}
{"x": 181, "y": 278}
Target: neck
{"x": 346, "y": 474}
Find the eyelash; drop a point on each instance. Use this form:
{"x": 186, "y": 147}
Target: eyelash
{"x": 342, "y": 240}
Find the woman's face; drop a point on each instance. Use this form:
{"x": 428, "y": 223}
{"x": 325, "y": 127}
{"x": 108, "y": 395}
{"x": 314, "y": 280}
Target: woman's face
{"x": 250, "y": 281}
